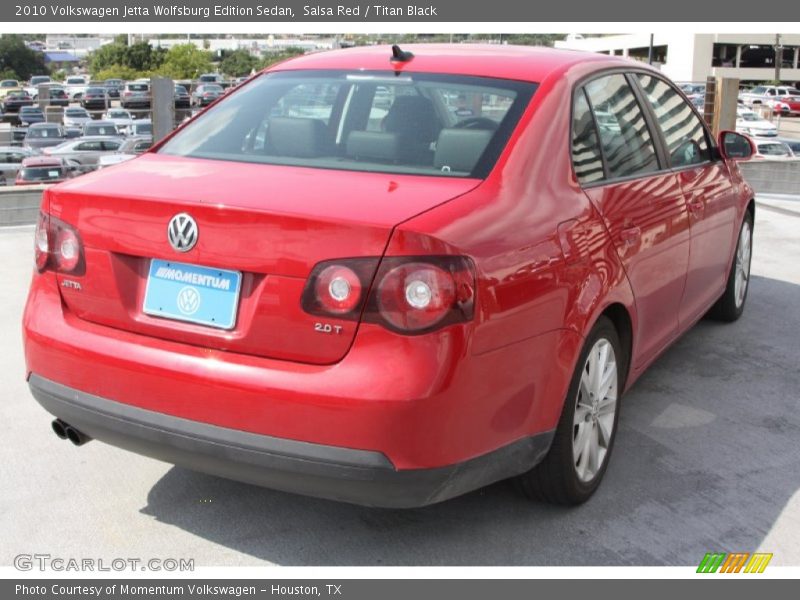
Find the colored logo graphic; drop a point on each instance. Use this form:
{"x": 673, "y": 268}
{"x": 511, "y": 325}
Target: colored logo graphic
{"x": 736, "y": 562}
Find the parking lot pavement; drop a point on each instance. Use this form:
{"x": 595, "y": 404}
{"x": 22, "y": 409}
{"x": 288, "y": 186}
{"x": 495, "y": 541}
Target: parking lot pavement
{"x": 707, "y": 459}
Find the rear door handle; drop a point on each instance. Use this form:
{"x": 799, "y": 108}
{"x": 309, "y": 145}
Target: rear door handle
{"x": 631, "y": 235}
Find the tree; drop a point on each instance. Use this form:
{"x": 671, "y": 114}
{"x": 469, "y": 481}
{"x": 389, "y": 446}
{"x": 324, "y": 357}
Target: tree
{"x": 140, "y": 57}
{"x": 237, "y": 63}
{"x": 276, "y": 57}
{"x": 185, "y": 61}
{"x": 16, "y": 57}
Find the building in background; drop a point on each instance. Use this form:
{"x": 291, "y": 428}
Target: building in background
{"x": 749, "y": 57}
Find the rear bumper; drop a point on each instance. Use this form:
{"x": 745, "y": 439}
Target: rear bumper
{"x": 343, "y": 474}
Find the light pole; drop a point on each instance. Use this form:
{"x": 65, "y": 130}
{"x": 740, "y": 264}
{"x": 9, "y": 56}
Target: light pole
{"x": 650, "y": 51}
{"x": 778, "y": 58}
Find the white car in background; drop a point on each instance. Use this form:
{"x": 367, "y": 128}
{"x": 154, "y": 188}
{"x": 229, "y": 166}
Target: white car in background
{"x": 750, "y": 123}
{"x": 772, "y": 150}
{"x": 76, "y": 86}
{"x": 75, "y": 116}
{"x": 119, "y": 117}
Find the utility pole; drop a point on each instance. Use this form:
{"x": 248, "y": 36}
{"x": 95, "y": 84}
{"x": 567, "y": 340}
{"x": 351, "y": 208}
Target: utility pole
{"x": 778, "y": 58}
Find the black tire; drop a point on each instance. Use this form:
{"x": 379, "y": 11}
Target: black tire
{"x": 729, "y": 307}
{"x": 556, "y": 479}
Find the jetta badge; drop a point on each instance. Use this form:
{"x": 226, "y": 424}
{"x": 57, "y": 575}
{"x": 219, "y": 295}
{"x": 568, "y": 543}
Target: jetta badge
{"x": 182, "y": 232}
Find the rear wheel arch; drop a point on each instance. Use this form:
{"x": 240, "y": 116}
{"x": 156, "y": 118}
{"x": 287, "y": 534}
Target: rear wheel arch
{"x": 619, "y": 316}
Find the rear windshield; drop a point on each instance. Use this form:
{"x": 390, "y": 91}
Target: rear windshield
{"x": 76, "y": 81}
{"x": 44, "y": 132}
{"x": 773, "y": 150}
{"x": 41, "y": 173}
{"x": 96, "y": 91}
{"x": 143, "y": 128}
{"x": 138, "y": 87}
{"x": 76, "y": 112}
{"x": 100, "y": 130}
{"x": 424, "y": 124}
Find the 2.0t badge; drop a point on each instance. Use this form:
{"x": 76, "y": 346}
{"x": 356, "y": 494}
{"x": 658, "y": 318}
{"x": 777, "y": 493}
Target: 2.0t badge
{"x": 182, "y": 232}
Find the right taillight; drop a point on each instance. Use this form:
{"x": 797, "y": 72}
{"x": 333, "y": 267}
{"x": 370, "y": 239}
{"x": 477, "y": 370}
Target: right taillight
{"x": 58, "y": 246}
{"x": 410, "y": 295}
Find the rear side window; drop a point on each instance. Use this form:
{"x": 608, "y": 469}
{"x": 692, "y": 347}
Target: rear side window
{"x": 627, "y": 145}
{"x": 586, "y": 157}
{"x": 683, "y": 132}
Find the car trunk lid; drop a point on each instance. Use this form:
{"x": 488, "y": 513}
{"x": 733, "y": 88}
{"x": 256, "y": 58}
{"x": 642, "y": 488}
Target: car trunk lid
{"x": 270, "y": 223}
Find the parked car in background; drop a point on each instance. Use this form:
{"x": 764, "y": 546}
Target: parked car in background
{"x": 85, "y": 151}
{"x": 33, "y": 85}
{"x": 75, "y": 116}
{"x": 44, "y": 135}
{"x": 794, "y": 145}
{"x": 135, "y": 94}
{"x": 119, "y": 117}
{"x": 211, "y": 78}
{"x": 100, "y": 128}
{"x": 95, "y": 98}
{"x": 772, "y": 150}
{"x": 113, "y": 87}
{"x": 44, "y": 169}
{"x": 784, "y": 100}
{"x": 206, "y": 93}
{"x": 9, "y": 85}
{"x": 75, "y": 86}
{"x": 11, "y": 158}
{"x": 182, "y": 97}
{"x": 130, "y": 148}
{"x": 13, "y": 101}
{"x": 240, "y": 290}
{"x": 750, "y": 123}
{"x": 28, "y": 115}
{"x": 140, "y": 127}
{"x": 57, "y": 96}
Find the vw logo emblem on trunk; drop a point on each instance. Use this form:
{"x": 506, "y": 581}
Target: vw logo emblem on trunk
{"x": 182, "y": 232}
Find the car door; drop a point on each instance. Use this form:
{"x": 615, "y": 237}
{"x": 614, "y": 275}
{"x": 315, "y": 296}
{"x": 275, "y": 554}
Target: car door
{"x": 642, "y": 206}
{"x": 707, "y": 189}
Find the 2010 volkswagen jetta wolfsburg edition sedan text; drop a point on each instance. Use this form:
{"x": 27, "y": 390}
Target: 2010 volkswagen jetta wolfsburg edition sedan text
{"x": 390, "y": 276}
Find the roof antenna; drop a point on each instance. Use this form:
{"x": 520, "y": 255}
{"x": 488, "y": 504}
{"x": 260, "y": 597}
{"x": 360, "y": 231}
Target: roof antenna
{"x": 399, "y": 55}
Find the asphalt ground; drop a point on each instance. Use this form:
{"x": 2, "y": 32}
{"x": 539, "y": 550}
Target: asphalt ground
{"x": 707, "y": 459}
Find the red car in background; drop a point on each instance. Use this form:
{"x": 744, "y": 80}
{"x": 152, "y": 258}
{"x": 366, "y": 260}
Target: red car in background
{"x": 43, "y": 169}
{"x": 391, "y": 277}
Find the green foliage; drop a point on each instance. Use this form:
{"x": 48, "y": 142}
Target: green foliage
{"x": 139, "y": 58}
{"x": 272, "y": 58}
{"x": 8, "y": 74}
{"x": 237, "y": 63}
{"x": 184, "y": 61}
{"x": 17, "y": 58}
{"x": 117, "y": 72}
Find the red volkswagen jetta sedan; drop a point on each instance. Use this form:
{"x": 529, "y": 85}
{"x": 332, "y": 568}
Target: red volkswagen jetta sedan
{"x": 391, "y": 276}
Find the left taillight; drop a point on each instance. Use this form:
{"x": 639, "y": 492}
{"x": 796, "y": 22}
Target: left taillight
{"x": 57, "y": 246}
{"x": 409, "y": 295}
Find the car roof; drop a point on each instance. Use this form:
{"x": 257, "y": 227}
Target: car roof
{"x": 43, "y": 125}
{"x": 40, "y": 161}
{"x": 14, "y": 149}
{"x": 93, "y": 138}
{"x": 100, "y": 122}
{"x": 526, "y": 63}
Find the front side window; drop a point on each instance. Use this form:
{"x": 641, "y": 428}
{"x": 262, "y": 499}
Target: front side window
{"x": 426, "y": 124}
{"x": 627, "y": 145}
{"x": 683, "y": 131}
{"x": 586, "y": 157}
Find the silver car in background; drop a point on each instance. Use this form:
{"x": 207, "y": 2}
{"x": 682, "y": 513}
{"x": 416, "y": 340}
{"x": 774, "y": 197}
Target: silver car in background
{"x": 86, "y": 151}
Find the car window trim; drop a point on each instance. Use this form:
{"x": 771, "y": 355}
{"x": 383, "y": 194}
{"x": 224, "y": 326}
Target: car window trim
{"x": 581, "y": 85}
{"x": 715, "y": 156}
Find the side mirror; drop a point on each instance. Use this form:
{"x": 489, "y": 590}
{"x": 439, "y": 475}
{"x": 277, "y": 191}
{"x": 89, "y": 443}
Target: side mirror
{"x": 735, "y": 146}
